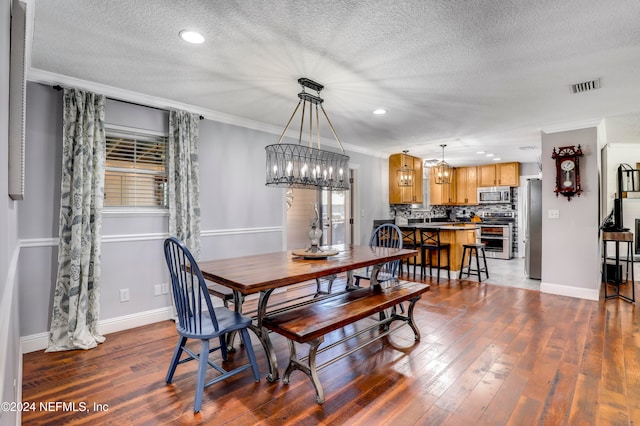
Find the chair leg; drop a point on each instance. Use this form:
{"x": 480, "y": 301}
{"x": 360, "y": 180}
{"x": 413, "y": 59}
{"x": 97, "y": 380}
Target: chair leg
{"x": 486, "y": 269}
{"x": 203, "y": 361}
{"x": 177, "y": 353}
{"x": 464, "y": 251}
{"x": 469, "y": 263}
{"x": 478, "y": 266}
{"x": 415, "y": 260}
{"x": 244, "y": 334}
{"x": 438, "y": 280}
{"x": 448, "y": 263}
{"x": 430, "y": 264}
{"x": 223, "y": 347}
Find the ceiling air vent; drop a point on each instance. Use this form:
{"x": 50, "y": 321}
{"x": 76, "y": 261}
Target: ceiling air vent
{"x": 585, "y": 86}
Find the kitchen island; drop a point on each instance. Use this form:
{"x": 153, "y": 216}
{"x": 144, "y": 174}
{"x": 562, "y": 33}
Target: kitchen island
{"x": 456, "y": 234}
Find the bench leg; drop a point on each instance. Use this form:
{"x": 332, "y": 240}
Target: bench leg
{"x": 310, "y": 369}
{"x": 410, "y": 321}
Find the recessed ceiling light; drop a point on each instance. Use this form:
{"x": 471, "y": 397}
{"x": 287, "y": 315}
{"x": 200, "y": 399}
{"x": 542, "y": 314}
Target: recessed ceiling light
{"x": 191, "y": 36}
{"x": 380, "y": 111}
{"x": 480, "y": 152}
{"x": 489, "y": 155}
{"x": 497, "y": 158}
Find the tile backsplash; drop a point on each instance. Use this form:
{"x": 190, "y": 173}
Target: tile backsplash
{"x": 459, "y": 212}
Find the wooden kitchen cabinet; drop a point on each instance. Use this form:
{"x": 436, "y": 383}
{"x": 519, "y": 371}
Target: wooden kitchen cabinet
{"x": 440, "y": 194}
{"x": 508, "y": 174}
{"x": 501, "y": 174}
{"x": 466, "y": 185}
{"x": 487, "y": 175}
{"x": 405, "y": 194}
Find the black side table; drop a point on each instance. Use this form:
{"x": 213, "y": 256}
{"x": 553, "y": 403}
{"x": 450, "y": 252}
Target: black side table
{"x": 617, "y": 238}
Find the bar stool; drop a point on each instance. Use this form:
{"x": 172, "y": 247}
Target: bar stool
{"x": 410, "y": 240}
{"x": 430, "y": 242}
{"x": 477, "y": 249}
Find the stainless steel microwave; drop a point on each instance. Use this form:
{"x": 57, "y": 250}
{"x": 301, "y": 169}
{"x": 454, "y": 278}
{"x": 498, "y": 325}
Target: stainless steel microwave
{"x": 494, "y": 195}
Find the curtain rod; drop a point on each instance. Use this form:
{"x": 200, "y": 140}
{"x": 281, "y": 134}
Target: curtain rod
{"x": 59, "y": 88}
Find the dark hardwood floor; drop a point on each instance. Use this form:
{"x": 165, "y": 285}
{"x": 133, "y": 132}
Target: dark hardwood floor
{"x": 488, "y": 355}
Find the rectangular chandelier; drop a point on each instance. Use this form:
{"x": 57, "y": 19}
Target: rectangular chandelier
{"x": 306, "y": 167}
{"x": 298, "y": 166}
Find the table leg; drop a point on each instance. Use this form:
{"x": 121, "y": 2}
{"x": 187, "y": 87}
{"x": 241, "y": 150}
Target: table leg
{"x": 263, "y": 335}
{"x": 617, "y": 279}
{"x": 633, "y": 281}
{"x": 238, "y": 300}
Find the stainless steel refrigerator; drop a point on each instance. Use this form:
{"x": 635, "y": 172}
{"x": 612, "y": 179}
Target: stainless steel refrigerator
{"x": 533, "y": 229}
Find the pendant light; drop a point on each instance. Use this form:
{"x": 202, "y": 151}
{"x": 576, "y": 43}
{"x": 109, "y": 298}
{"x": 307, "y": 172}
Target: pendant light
{"x": 443, "y": 170}
{"x": 306, "y": 167}
{"x": 405, "y": 174}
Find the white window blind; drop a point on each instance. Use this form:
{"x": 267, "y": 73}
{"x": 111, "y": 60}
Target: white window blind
{"x": 135, "y": 170}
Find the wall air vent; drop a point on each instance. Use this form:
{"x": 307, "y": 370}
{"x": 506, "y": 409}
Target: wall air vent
{"x": 585, "y": 86}
{"x": 527, "y": 148}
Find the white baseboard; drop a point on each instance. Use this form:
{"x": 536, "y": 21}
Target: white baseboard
{"x": 38, "y": 342}
{"x": 565, "y": 290}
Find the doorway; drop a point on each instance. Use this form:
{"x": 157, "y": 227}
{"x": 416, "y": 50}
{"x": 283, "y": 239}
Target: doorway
{"x": 335, "y": 209}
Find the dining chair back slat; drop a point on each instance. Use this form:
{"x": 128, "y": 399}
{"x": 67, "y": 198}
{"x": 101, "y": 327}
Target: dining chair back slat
{"x": 386, "y": 235}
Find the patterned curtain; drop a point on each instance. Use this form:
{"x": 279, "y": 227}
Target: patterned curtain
{"x": 76, "y": 305}
{"x": 184, "y": 181}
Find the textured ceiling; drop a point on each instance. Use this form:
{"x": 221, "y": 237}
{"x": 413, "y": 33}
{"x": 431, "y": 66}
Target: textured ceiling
{"x": 487, "y": 74}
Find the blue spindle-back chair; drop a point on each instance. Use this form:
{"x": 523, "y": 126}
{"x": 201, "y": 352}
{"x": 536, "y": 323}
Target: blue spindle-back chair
{"x": 198, "y": 319}
{"x": 386, "y": 235}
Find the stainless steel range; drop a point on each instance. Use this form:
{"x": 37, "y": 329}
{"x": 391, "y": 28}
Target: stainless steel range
{"x": 495, "y": 232}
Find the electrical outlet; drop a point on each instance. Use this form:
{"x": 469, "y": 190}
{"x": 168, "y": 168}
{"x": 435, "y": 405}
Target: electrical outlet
{"x": 165, "y": 288}
{"x": 124, "y": 295}
{"x": 157, "y": 290}
{"x": 553, "y": 214}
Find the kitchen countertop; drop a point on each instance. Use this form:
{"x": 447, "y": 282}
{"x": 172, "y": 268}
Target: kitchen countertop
{"x": 449, "y": 226}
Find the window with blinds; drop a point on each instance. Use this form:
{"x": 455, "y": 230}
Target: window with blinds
{"x": 135, "y": 170}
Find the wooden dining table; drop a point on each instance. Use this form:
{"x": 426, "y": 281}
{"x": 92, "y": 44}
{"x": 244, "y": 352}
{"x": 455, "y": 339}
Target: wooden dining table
{"x": 264, "y": 273}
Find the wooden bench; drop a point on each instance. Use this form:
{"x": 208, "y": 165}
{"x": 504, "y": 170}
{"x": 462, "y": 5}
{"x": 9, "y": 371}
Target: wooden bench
{"x": 309, "y": 324}
{"x": 224, "y": 293}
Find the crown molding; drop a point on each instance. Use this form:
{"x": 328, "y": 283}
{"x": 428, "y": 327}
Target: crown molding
{"x": 575, "y": 125}
{"x": 36, "y": 75}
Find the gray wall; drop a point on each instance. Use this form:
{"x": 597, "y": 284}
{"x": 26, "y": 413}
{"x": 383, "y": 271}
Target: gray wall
{"x": 9, "y": 325}
{"x": 570, "y": 244}
{"x": 240, "y": 215}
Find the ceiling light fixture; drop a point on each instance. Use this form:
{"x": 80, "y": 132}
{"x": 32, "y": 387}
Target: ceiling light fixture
{"x": 306, "y": 167}
{"x": 443, "y": 170}
{"x": 406, "y": 175}
{"x": 380, "y": 111}
{"x": 191, "y": 36}
{"x": 489, "y": 155}
{"x": 480, "y": 152}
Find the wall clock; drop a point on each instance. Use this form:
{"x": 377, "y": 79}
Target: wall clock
{"x": 567, "y": 171}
